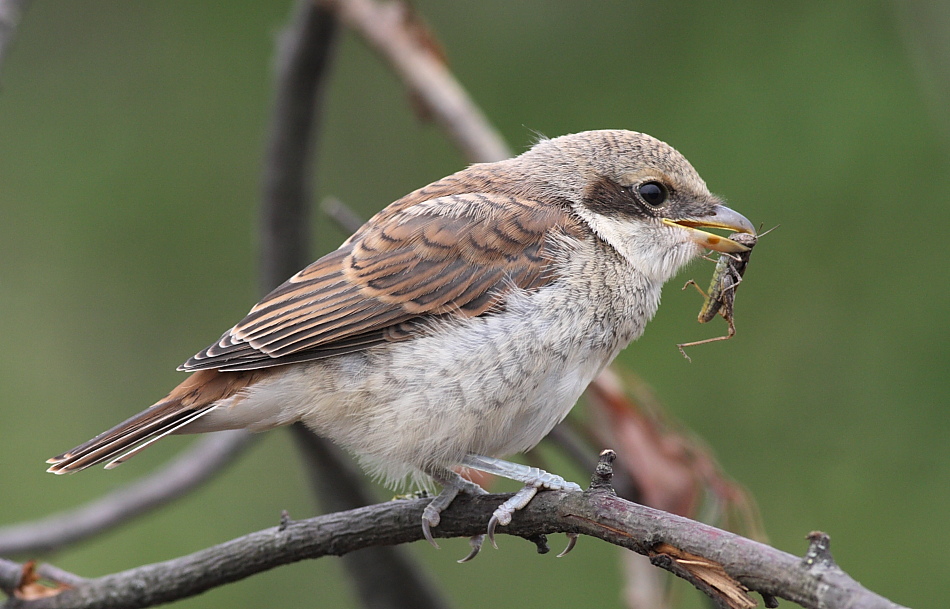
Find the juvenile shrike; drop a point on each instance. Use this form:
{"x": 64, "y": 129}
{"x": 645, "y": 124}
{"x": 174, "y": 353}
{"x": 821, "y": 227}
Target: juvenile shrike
{"x": 459, "y": 324}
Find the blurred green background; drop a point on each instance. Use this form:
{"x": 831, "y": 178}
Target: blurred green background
{"x": 131, "y": 139}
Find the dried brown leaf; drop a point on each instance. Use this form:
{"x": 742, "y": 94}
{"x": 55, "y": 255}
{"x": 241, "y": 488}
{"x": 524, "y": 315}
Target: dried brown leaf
{"x": 32, "y": 586}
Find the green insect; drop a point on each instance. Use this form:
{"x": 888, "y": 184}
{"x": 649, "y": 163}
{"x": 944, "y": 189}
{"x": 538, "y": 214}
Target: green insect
{"x": 722, "y": 289}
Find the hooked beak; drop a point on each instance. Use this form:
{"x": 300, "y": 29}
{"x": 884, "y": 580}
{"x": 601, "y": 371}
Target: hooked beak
{"x": 722, "y": 217}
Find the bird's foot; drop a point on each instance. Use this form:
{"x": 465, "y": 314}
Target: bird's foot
{"x": 476, "y": 542}
{"x": 431, "y": 516}
{"x": 453, "y": 484}
{"x": 534, "y": 480}
{"x": 571, "y": 542}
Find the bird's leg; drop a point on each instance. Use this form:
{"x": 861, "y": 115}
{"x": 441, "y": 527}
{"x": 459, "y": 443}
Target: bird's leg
{"x": 452, "y": 485}
{"x": 533, "y": 478}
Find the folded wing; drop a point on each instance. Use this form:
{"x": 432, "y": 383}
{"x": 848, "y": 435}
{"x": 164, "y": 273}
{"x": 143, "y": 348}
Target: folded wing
{"x": 455, "y": 255}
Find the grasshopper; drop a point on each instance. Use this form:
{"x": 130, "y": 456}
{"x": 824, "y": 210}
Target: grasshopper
{"x": 722, "y": 289}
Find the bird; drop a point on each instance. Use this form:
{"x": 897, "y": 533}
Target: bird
{"x": 460, "y": 323}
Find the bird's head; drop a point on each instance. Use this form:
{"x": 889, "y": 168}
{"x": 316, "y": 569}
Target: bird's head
{"x": 639, "y": 195}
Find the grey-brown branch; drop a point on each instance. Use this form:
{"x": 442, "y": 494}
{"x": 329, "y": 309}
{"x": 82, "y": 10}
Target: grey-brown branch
{"x": 814, "y": 581}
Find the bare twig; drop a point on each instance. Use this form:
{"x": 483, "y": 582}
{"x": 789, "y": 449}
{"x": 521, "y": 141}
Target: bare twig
{"x": 597, "y": 512}
{"x": 386, "y": 28}
{"x": 189, "y": 470}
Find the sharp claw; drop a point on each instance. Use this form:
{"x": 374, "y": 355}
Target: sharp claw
{"x": 571, "y": 542}
{"x": 491, "y": 531}
{"x": 427, "y": 532}
{"x": 476, "y": 543}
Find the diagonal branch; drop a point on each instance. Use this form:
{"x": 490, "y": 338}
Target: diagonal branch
{"x": 812, "y": 582}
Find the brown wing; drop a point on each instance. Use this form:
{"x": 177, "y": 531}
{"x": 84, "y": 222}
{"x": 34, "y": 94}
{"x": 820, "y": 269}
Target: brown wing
{"x": 455, "y": 255}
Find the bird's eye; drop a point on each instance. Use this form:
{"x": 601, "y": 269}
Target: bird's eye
{"x": 653, "y": 194}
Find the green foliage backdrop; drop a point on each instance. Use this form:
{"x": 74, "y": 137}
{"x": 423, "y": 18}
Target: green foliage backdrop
{"x": 130, "y": 145}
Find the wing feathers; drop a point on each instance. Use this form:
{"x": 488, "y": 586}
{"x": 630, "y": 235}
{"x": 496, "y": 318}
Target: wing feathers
{"x": 446, "y": 251}
{"x": 417, "y": 260}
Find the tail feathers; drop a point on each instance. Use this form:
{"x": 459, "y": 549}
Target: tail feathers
{"x": 129, "y": 437}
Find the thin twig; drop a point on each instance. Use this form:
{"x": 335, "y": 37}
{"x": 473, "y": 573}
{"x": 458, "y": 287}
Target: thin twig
{"x": 189, "y": 470}
{"x": 597, "y": 512}
{"x": 385, "y": 28}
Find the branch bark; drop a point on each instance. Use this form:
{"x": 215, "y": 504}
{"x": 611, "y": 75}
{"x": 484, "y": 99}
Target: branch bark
{"x": 813, "y": 582}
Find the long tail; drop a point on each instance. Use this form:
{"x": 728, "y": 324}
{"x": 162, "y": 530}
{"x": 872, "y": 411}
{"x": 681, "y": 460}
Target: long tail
{"x": 188, "y": 402}
{"x": 127, "y": 438}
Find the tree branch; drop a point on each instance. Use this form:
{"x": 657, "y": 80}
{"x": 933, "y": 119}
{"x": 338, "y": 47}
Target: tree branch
{"x": 812, "y": 582}
{"x": 190, "y": 469}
